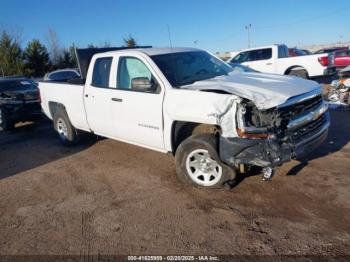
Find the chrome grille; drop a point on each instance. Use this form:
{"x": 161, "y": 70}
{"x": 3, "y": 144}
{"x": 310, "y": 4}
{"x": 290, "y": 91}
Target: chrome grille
{"x": 308, "y": 129}
{"x": 295, "y": 110}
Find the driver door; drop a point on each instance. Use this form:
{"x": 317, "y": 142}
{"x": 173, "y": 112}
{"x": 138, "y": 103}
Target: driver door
{"x": 137, "y": 114}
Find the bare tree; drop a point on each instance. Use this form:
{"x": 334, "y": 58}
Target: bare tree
{"x": 16, "y": 34}
{"x": 106, "y": 44}
{"x": 54, "y": 47}
{"x": 130, "y": 41}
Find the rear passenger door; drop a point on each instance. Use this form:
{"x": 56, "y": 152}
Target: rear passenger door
{"x": 97, "y": 98}
{"x": 260, "y": 60}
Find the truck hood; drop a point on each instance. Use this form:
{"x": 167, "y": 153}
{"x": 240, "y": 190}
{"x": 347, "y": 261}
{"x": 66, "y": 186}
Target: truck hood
{"x": 264, "y": 90}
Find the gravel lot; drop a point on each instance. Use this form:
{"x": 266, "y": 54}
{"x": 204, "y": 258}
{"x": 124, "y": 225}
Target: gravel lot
{"x": 107, "y": 197}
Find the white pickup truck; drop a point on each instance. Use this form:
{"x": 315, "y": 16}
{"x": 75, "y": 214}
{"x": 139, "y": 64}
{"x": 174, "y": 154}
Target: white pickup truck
{"x": 187, "y": 102}
{"x": 275, "y": 59}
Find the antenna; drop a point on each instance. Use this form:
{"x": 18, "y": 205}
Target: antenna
{"x": 169, "y": 35}
{"x": 172, "y": 55}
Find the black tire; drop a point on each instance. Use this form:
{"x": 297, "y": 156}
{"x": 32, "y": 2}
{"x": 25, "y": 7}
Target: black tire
{"x": 302, "y": 73}
{"x": 192, "y": 144}
{"x": 5, "y": 123}
{"x": 69, "y": 135}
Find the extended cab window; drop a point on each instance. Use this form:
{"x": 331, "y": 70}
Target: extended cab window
{"x": 283, "y": 51}
{"x": 263, "y": 54}
{"x": 134, "y": 75}
{"x": 102, "y": 68}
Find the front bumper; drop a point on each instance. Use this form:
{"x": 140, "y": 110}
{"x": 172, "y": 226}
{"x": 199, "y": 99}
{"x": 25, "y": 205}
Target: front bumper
{"x": 269, "y": 152}
{"x": 256, "y": 152}
{"x": 308, "y": 145}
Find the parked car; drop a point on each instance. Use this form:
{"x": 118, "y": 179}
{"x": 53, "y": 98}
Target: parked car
{"x": 19, "y": 101}
{"x": 339, "y": 59}
{"x": 330, "y": 50}
{"x": 62, "y": 75}
{"x": 276, "y": 59}
{"x": 189, "y": 103}
{"x": 307, "y": 52}
{"x": 296, "y": 52}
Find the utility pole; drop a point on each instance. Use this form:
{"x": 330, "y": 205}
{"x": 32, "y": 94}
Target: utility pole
{"x": 248, "y": 27}
{"x": 195, "y": 43}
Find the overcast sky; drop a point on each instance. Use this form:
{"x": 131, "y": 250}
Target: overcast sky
{"x": 212, "y": 25}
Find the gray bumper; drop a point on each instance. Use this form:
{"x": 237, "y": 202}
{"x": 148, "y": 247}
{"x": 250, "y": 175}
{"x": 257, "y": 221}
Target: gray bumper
{"x": 308, "y": 145}
{"x": 257, "y": 152}
{"x": 268, "y": 152}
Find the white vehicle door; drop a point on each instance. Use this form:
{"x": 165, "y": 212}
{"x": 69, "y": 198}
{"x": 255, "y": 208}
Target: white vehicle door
{"x": 137, "y": 103}
{"x": 97, "y": 98}
{"x": 259, "y": 59}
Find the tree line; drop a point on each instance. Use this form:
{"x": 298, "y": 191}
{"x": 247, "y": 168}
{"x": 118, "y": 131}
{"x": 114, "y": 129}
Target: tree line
{"x": 36, "y": 59}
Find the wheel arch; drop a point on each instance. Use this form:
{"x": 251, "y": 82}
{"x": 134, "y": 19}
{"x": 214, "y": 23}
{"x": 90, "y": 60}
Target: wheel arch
{"x": 181, "y": 130}
{"x": 55, "y": 106}
{"x": 295, "y": 67}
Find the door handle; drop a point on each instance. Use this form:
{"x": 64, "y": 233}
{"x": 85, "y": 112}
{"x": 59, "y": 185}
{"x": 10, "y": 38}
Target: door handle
{"x": 117, "y": 99}
{"x": 268, "y": 63}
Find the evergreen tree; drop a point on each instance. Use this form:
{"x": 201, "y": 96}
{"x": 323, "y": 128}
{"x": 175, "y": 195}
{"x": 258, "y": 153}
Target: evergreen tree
{"x": 66, "y": 60}
{"x": 36, "y": 59}
{"x": 11, "y": 62}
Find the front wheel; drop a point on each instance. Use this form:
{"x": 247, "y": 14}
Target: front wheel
{"x": 198, "y": 163}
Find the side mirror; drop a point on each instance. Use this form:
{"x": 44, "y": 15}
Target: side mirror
{"x": 141, "y": 84}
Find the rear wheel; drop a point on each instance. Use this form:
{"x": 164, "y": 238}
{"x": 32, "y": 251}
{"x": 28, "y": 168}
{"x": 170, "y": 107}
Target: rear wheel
{"x": 197, "y": 163}
{"x": 302, "y": 73}
{"x": 5, "y": 123}
{"x": 66, "y": 131}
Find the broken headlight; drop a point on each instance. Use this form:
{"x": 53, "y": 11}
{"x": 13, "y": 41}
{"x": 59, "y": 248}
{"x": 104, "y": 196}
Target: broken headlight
{"x": 249, "y": 122}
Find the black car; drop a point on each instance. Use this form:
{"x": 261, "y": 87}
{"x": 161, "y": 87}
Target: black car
{"x": 19, "y": 101}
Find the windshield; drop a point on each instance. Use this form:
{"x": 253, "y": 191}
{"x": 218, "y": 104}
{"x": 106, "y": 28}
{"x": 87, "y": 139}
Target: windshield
{"x": 188, "y": 67}
{"x": 16, "y": 85}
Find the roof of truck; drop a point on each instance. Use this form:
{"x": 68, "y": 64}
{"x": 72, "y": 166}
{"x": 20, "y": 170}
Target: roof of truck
{"x": 159, "y": 51}
{"x": 84, "y": 55}
{"x": 260, "y": 47}
{"x": 167, "y": 50}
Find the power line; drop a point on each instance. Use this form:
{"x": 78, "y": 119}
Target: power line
{"x": 327, "y": 15}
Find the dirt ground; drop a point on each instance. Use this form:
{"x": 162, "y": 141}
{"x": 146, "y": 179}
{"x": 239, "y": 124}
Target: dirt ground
{"x": 108, "y": 197}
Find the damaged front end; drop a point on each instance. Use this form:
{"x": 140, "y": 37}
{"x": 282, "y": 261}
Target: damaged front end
{"x": 269, "y": 138}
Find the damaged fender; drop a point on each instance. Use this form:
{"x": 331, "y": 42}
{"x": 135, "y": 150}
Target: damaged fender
{"x": 234, "y": 150}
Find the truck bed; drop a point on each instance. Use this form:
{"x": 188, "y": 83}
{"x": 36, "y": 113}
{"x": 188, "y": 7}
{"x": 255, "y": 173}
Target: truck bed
{"x": 72, "y": 98}
{"x": 309, "y": 62}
